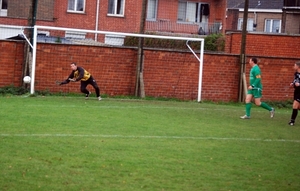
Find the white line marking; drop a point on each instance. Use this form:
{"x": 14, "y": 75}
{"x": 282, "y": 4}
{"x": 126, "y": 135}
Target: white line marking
{"x": 148, "y": 137}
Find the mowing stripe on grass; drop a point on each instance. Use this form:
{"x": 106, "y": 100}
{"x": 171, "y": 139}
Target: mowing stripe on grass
{"x": 153, "y": 107}
{"x": 149, "y": 137}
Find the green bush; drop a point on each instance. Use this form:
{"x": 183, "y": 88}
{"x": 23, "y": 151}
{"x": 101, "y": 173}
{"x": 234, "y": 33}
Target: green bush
{"x": 12, "y": 90}
{"x": 214, "y": 42}
{"x": 159, "y": 43}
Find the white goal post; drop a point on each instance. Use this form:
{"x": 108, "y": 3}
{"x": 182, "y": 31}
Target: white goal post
{"x": 107, "y": 33}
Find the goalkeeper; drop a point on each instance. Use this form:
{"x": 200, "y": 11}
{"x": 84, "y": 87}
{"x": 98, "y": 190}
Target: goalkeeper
{"x": 80, "y": 74}
{"x": 255, "y": 90}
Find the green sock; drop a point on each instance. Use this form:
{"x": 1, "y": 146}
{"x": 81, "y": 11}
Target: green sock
{"x": 248, "y": 109}
{"x": 265, "y": 106}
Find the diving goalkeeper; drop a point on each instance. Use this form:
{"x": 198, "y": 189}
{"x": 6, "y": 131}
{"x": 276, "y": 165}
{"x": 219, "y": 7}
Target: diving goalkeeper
{"x": 80, "y": 74}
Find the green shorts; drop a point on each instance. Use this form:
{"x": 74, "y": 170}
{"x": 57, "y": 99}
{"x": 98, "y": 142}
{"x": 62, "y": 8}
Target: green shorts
{"x": 257, "y": 93}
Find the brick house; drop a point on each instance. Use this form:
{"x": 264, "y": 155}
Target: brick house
{"x": 280, "y": 16}
{"x": 171, "y": 16}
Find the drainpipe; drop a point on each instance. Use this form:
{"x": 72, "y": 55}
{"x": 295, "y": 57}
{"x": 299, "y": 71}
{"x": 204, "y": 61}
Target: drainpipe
{"x": 255, "y": 15}
{"x": 97, "y": 19}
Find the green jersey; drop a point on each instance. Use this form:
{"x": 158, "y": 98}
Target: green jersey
{"x": 255, "y": 77}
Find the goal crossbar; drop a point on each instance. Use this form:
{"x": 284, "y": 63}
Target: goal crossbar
{"x": 187, "y": 39}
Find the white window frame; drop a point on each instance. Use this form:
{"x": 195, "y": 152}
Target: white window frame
{"x": 75, "y": 35}
{"x": 189, "y": 11}
{"x": 3, "y": 12}
{"x": 250, "y": 23}
{"x": 271, "y": 25}
{"x": 74, "y": 8}
{"x": 152, "y": 10}
{"x": 115, "y": 6}
{"x": 43, "y": 33}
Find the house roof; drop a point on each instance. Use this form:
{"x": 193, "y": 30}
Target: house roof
{"x": 254, "y": 4}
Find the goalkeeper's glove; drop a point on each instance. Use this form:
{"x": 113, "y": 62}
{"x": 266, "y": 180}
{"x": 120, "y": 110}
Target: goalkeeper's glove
{"x": 63, "y": 82}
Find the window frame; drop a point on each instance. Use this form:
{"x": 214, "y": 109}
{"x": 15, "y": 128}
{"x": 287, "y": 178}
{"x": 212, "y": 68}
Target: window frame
{"x": 271, "y": 25}
{"x": 200, "y": 18}
{"x": 154, "y": 10}
{"x": 249, "y": 24}
{"x": 75, "y": 35}
{"x": 3, "y": 12}
{"x": 115, "y": 7}
{"x": 74, "y": 8}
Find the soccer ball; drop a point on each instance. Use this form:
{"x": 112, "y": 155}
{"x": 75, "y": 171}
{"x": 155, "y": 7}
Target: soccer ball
{"x": 26, "y": 79}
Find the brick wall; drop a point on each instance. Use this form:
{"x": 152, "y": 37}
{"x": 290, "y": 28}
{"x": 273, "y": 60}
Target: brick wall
{"x": 292, "y": 24}
{"x": 278, "y": 45}
{"x": 166, "y": 73}
{"x": 130, "y": 22}
{"x": 12, "y": 56}
{"x": 113, "y": 68}
{"x": 54, "y": 13}
{"x": 45, "y": 10}
{"x": 16, "y": 9}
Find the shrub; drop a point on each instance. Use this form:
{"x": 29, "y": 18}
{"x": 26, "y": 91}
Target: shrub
{"x": 214, "y": 42}
{"x": 12, "y": 90}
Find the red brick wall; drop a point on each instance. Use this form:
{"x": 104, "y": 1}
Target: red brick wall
{"x": 130, "y": 22}
{"x": 166, "y": 73}
{"x": 17, "y": 9}
{"x": 45, "y": 10}
{"x": 113, "y": 68}
{"x": 12, "y": 54}
{"x": 170, "y": 74}
{"x": 278, "y": 45}
{"x": 87, "y": 20}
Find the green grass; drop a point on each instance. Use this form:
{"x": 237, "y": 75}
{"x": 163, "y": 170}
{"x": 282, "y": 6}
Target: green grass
{"x": 68, "y": 143}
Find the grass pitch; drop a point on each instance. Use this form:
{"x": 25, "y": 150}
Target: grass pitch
{"x": 68, "y": 143}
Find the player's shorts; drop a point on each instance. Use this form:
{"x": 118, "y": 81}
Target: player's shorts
{"x": 257, "y": 93}
{"x": 297, "y": 96}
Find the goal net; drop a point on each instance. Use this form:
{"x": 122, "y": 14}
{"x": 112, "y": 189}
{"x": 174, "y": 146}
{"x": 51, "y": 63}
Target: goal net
{"x": 121, "y": 63}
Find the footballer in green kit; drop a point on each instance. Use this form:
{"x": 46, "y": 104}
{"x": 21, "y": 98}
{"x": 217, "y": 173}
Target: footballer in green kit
{"x": 255, "y": 90}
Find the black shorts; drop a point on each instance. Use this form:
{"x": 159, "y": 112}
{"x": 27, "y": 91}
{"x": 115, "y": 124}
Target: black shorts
{"x": 91, "y": 81}
{"x": 297, "y": 96}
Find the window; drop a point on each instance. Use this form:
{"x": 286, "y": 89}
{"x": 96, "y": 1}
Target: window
{"x": 193, "y": 12}
{"x": 7, "y": 31}
{"x": 3, "y": 7}
{"x": 272, "y": 25}
{"x": 76, "y": 5}
{"x": 116, "y": 7}
{"x": 151, "y": 9}
{"x": 43, "y": 33}
{"x": 76, "y": 35}
{"x": 249, "y": 24}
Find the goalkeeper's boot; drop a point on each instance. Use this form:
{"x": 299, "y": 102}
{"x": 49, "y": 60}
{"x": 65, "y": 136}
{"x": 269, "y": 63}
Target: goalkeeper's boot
{"x": 87, "y": 95}
{"x": 99, "y": 98}
{"x": 245, "y": 117}
{"x": 272, "y": 112}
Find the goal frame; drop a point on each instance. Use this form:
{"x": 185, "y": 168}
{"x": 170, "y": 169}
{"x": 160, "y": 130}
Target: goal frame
{"x": 187, "y": 39}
